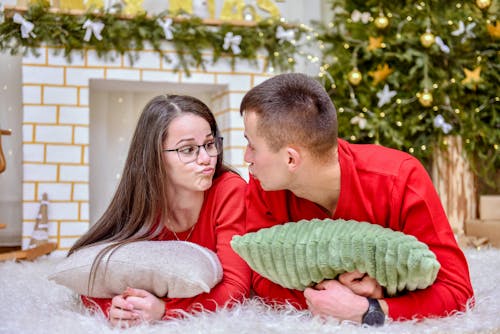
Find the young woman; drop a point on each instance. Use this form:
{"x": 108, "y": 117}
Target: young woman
{"x": 174, "y": 187}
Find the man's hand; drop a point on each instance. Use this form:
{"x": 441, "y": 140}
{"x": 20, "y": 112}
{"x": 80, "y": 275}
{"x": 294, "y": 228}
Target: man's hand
{"x": 332, "y": 298}
{"x": 362, "y": 284}
{"x": 344, "y": 298}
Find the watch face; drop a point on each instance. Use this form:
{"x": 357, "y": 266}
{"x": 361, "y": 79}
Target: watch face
{"x": 374, "y": 318}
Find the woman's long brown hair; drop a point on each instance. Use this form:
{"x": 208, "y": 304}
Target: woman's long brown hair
{"x": 141, "y": 196}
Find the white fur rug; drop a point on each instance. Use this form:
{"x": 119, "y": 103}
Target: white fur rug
{"x": 29, "y": 303}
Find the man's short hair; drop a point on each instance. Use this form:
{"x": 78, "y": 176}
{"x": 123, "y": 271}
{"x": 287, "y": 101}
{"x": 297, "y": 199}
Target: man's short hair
{"x": 293, "y": 109}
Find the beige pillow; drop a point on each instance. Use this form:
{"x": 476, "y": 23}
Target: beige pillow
{"x": 175, "y": 269}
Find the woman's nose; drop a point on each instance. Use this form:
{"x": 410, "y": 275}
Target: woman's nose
{"x": 203, "y": 156}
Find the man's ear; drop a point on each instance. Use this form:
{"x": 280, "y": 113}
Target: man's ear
{"x": 294, "y": 158}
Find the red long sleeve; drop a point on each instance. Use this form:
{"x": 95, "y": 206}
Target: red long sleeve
{"x": 385, "y": 187}
{"x": 222, "y": 216}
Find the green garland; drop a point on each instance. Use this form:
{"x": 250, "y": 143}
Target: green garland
{"x": 471, "y": 109}
{"x": 129, "y": 35}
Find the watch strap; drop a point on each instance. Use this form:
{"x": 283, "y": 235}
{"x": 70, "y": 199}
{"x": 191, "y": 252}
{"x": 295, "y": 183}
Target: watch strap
{"x": 374, "y": 316}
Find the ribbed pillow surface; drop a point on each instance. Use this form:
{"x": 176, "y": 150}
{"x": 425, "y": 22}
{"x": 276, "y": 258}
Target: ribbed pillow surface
{"x": 299, "y": 254}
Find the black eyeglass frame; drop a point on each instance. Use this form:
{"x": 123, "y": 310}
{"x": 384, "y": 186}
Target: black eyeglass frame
{"x": 218, "y": 144}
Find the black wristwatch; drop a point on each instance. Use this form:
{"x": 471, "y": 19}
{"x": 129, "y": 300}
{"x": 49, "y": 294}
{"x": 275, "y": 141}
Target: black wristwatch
{"x": 374, "y": 316}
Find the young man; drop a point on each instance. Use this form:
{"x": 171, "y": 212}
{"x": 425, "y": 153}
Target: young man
{"x": 299, "y": 169}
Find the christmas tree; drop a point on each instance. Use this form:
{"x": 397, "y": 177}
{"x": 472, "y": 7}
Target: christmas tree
{"x": 407, "y": 74}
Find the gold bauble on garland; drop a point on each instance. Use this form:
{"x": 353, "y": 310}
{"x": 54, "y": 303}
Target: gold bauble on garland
{"x": 427, "y": 39}
{"x": 354, "y": 76}
{"x": 483, "y": 4}
{"x": 425, "y": 98}
{"x": 381, "y": 22}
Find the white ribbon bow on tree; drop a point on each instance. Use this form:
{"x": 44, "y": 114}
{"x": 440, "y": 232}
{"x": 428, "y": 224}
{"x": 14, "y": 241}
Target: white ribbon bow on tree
{"x": 464, "y": 30}
{"x": 233, "y": 42}
{"x": 442, "y": 45}
{"x": 285, "y": 35}
{"x": 357, "y": 16}
{"x": 440, "y": 123}
{"x": 26, "y": 26}
{"x": 360, "y": 121}
{"x": 92, "y": 28}
{"x": 167, "y": 27}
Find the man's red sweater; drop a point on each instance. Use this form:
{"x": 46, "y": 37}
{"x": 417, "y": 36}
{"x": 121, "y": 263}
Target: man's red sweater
{"x": 385, "y": 187}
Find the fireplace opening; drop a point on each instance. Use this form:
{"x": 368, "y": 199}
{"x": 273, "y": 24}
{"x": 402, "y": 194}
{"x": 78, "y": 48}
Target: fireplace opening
{"x": 114, "y": 107}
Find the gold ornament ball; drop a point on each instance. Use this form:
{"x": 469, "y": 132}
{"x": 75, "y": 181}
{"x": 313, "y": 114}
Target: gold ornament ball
{"x": 483, "y": 4}
{"x": 354, "y": 77}
{"x": 381, "y": 22}
{"x": 425, "y": 98}
{"x": 427, "y": 39}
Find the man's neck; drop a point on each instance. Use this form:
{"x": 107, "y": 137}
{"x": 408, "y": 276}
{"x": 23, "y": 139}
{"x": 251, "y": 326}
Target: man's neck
{"x": 319, "y": 183}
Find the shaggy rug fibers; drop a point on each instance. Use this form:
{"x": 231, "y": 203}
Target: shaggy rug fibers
{"x": 29, "y": 303}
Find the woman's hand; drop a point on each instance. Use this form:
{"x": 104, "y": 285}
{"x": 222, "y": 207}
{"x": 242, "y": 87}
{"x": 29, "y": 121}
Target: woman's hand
{"x": 134, "y": 306}
{"x": 122, "y": 313}
{"x": 148, "y": 306}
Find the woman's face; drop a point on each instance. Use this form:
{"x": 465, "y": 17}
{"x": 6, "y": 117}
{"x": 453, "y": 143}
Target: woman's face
{"x": 185, "y": 168}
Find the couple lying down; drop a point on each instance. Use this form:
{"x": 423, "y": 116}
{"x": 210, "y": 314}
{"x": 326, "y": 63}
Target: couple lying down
{"x": 176, "y": 187}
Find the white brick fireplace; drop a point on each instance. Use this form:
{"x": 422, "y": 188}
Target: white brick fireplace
{"x": 63, "y": 111}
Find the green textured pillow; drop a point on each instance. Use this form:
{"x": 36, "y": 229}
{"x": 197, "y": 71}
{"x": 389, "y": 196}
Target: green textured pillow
{"x": 296, "y": 255}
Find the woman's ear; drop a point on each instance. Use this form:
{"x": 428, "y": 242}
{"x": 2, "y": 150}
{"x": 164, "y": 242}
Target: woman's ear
{"x": 294, "y": 158}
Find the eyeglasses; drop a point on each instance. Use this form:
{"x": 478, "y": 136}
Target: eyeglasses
{"x": 189, "y": 153}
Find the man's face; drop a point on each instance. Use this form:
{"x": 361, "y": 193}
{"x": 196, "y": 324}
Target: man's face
{"x": 265, "y": 165}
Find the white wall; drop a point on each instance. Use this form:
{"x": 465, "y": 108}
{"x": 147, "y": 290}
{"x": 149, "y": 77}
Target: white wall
{"x": 300, "y": 11}
{"x": 115, "y": 107}
{"x": 11, "y": 179}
